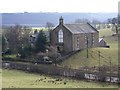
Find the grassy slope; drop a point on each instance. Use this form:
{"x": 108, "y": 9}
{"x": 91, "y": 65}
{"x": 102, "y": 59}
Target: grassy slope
{"x": 79, "y": 59}
{"x": 19, "y": 79}
{"x": 0, "y": 78}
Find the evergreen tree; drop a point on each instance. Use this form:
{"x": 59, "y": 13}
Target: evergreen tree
{"x": 4, "y": 43}
{"x": 41, "y": 41}
{"x": 26, "y": 51}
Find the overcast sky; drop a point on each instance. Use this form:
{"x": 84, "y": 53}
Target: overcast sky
{"x": 58, "y": 6}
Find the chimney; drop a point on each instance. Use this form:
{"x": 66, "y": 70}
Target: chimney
{"x": 61, "y": 20}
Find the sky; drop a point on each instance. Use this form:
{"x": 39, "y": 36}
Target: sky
{"x": 10, "y": 6}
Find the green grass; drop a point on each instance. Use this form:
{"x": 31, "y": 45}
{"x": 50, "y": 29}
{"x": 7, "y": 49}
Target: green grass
{"x": 0, "y": 78}
{"x": 39, "y": 28}
{"x": 79, "y": 60}
{"x": 10, "y": 56}
{"x": 19, "y": 79}
{"x": 105, "y": 32}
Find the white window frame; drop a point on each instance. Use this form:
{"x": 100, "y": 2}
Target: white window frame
{"x": 60, "y": 36}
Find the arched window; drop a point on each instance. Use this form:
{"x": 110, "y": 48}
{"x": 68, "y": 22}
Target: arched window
{"x": 60, "y": 36}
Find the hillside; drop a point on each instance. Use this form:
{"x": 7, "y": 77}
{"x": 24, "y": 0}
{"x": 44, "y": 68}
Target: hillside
{"x": 80, "y": 60}
{"x": 40, "y": 19}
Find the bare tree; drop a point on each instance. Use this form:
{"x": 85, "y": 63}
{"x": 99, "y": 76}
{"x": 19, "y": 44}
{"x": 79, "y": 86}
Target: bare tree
{"x": 115, "y": 22}
{"x": 49, "y": 25}
{"x": 17, "y": 37}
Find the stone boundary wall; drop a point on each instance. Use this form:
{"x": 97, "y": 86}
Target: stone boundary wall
{"x": 60, "y": 71}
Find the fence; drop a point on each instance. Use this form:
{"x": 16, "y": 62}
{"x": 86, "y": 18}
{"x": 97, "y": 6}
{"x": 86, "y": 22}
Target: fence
{"x": 62, "y": 58}
{"x": 60, "y": 71}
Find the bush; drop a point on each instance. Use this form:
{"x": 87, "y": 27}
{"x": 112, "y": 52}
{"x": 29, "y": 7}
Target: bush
{"x": 26, "y": 51}
{"x": 41, "y": 41}
{"x": 7, "y": 52}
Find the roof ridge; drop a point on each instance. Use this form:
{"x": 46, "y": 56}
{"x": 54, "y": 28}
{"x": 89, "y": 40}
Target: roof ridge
{"x": 67, "y": 28}
{"x": 74, "y": 23}
{"x": 92, "y": 27}
{"x": 80, "y": 28}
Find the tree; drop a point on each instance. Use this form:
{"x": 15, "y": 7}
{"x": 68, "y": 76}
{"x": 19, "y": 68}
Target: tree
{"x": 49, "y": 25}
{"x": 115, "y": 22}
{"x": 25, "y": 34}
{"x": 96, "y": 23}
{"x": 118, "y": 19}
{"x": 41, "y": 41}
{"x": 26, "y": 51}
{"x": 17, "y": 37}
{"x": 109, "y": 21}
{"x": 4, "y": 43}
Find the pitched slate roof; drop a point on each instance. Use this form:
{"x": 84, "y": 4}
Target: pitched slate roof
{"x": 80, "y": 28}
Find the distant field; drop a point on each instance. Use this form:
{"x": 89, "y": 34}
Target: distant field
{"x": 79, "y": 59}
{"x": 39, "y": 28}
{"x": 19, "y": 79}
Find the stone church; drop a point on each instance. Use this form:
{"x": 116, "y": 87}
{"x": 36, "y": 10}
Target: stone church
{"x": 73, "y": 37}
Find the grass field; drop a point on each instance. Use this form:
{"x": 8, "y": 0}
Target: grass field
{"x": 39, "y": 28}
{"x": 0, "y": 78}
{"x": 10, "y": 56}
{"x": 20, "y": 79}
{"x": 78, "y": 60}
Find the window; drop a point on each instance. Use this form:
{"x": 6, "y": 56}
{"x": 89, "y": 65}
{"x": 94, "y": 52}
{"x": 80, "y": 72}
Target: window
{"x": 93, "y": 39}
{"x": 78, "y": 43}
{"x": 85, "y": 39}
{"x": 60, "y": 36}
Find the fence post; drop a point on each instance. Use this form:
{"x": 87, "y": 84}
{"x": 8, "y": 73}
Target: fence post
{"x": 110, "y": 67}
{"x": 99, "y": 60}
{"x": 87, "y": 47}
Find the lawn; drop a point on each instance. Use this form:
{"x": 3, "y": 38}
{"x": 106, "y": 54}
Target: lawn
{"x": 20, "y": 79}
{"x": 80, "y": 60}
{"x": 0, "y": 78}
{"x": 10, "y": 56}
